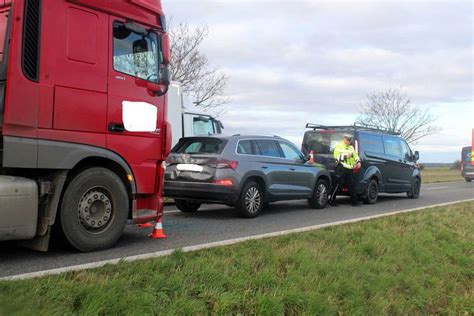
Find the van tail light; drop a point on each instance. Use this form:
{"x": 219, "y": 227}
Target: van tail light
{"x": 462, "y": 165}
{"x": 224, "y": 182}
{"x": 227, "y": 164}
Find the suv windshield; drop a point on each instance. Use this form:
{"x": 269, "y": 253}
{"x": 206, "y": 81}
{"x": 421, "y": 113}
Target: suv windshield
{"x": 136, "y": 54}
{"x": 321, "y": 142}
{"x": 199, "y": 146}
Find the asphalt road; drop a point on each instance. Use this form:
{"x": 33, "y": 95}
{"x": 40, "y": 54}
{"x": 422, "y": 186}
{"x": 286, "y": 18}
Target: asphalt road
{"x": 216, "y": 223}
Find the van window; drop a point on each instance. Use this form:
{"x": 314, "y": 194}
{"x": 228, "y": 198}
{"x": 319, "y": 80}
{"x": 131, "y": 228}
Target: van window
{"x": 290, "y": 152}
{"x": 268, "y": 148}
{"x": 199, "y": 146}
{"x": 321, "y": 142}
{"x": 406, "y": 151}
{"x": 371, "y": 143}
{"x": 136, "y": 54}
{"x": 245, "y": 147}
{"x": 392, "y": 147}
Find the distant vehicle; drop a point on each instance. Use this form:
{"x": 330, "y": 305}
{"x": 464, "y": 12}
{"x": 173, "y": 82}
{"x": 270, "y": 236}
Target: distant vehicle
{"x": 187, "y": 120}
{"x": 467, "y": 164}
{"x": 242, "y": 171}
{"x": 388, "y": 163}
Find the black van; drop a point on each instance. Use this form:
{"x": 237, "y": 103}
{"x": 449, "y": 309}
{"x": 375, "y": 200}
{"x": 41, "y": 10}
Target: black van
{"x": 467, "y": 166}
{"x": 388, "y": 163}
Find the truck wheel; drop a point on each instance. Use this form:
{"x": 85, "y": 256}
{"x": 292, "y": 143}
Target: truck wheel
{"x": 320, "y": 196}
{"x": 372, "y": 192}
{"x": 187, "y": 206}
{"x": 94, "y": 209}
{"x": 250, "y": 202}
{"x": 414, "y": 193}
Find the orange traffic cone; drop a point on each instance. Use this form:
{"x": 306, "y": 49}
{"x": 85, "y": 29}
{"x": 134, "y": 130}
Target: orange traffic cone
{"x": 145, "y": 225}
{"x": 157, "y": 231}
{"x": 311, "y": 156}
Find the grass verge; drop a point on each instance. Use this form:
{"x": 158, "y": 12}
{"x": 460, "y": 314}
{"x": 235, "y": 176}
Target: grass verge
{"x": 435, "y": 175}
{"x": 417, "y": 263}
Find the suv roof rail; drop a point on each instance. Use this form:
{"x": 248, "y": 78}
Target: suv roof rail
{"x": 354, "y": 127}
{"x": 257, "y": 135}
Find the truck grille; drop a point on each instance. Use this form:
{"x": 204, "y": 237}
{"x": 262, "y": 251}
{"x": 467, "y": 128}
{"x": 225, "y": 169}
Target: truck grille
{"x": 31, "y": 39}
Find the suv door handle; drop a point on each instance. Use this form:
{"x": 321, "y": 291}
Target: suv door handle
{"x": 292, "y": 169}
{"x": 264, "y": 167}
{"x": 116, "y": 127}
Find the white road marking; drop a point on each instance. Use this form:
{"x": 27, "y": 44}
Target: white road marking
{"x": 436, "y": 188}
{"x": 162, "y": 253}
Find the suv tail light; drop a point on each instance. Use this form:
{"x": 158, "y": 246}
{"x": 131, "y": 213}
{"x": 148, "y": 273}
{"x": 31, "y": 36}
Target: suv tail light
{"x": 227, "y": 164}
{"x": 462, "y": 165}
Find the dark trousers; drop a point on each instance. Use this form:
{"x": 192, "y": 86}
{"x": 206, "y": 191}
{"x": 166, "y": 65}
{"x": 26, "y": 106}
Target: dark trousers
{"x": 345, "y": 177}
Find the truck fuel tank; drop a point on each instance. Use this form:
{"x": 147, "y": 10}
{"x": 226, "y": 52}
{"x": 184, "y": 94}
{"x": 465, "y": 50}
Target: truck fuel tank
{"x": 18, "y": 208}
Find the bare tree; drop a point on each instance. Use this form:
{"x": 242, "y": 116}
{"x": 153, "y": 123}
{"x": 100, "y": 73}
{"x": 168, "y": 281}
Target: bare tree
{"x": 192, "y": 69}
{"x": 393, "y": 110}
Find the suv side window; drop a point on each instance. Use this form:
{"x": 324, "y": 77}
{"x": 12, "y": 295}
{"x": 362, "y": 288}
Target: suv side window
{"x": 290, "y": 152}
{"x": 392, "y": 147}
{"x": 245, "y": 147}
{"x": 268, "y": 148}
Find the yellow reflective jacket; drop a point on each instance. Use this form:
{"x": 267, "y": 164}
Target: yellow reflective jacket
{"x": 341, "y": 152}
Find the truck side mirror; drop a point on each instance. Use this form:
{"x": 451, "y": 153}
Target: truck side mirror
{"x": 417, "y": 156}
{"x": 165, "y": 43}
{"x": 160, "y": 88}
{"x": 140, "y": 46}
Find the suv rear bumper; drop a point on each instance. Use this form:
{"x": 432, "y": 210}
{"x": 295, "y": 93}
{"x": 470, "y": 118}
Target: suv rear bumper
{"x": 203, "y": 192}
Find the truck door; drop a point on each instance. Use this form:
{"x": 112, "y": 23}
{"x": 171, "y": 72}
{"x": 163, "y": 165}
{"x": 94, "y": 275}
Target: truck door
{"x": 135, "y": 115}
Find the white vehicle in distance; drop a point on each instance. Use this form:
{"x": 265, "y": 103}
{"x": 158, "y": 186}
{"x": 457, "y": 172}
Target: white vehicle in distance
{"x": 186, "y": 119}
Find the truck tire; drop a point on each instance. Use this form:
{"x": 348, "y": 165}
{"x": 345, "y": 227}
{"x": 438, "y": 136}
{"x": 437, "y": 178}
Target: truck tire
{"x": 251, "y": 200}
{"x": 372, "y": 192}
{"x": 187, "y": 206}
{"x": 414, "y": 193}
{"x": 94, "y": 210}
{"x": 320, "y": 196}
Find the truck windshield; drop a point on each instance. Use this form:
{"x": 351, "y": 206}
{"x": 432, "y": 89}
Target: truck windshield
{"x": 321, "y": 143}
{"x": 203, "y": 126}
{"x": 136, "y": 54}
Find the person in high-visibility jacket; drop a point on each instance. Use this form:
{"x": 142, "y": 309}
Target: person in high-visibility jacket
{"x": 347, "y": 159}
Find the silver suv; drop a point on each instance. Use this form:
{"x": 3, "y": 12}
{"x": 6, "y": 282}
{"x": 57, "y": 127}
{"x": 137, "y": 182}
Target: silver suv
{"x": 246, "y": 172}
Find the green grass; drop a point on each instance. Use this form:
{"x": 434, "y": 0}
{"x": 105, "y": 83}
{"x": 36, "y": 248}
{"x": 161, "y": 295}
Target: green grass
{"x": 434, "y": 175}
{"x": 417, "y": 263}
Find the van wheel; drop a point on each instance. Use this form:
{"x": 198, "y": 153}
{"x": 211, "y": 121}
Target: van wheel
{"x": 414, "y": 193}
{"x": 468, "y": 179}
{"x": 372, "y": 192}
{"x": 250, "y": 202}
{"x": 320, "y": 196}
{"x": 94, "y": 210}
{"x": 187, "y": 206}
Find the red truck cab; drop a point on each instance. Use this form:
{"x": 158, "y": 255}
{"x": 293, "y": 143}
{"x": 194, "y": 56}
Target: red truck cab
{"x": 82, "y": 118}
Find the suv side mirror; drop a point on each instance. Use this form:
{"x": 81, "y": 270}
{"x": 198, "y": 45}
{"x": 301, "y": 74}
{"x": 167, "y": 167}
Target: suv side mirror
{"x": 306, "y": 157}
{"x": 417, "y": 155}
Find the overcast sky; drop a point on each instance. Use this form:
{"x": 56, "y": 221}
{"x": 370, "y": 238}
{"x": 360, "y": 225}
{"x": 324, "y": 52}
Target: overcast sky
{"x": 293, "y": 62}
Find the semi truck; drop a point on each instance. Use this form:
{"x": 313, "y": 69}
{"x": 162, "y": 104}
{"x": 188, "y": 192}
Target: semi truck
{"x": 186, "y": 119}
{"x": 83, "y": 119}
